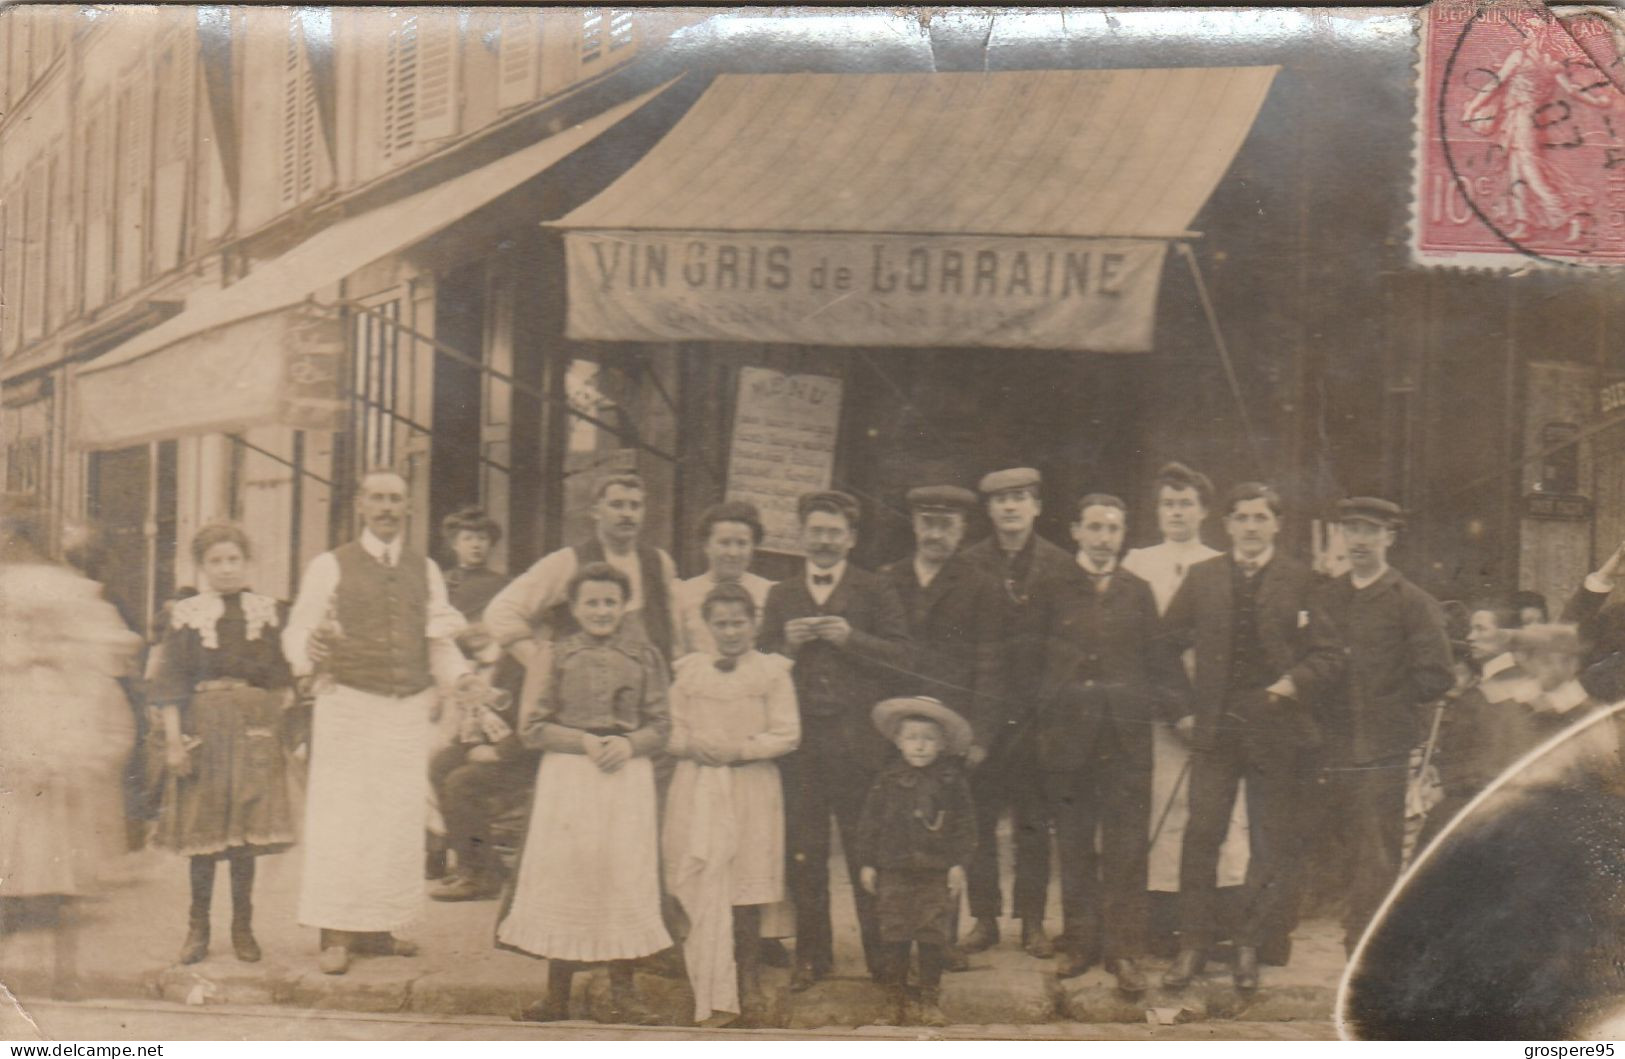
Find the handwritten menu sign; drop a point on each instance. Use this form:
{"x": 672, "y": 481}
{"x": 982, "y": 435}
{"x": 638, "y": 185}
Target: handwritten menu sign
{"x": 783, "y": 445}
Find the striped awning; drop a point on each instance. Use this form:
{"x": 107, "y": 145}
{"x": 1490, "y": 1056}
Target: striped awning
{"x": 931, "y": 189}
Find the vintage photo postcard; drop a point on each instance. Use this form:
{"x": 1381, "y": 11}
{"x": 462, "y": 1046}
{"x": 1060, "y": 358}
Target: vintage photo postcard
{"x": 699, "y": 523}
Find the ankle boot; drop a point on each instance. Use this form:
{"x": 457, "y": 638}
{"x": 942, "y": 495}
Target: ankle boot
{"x": 894, "y": 1007}
{"x": 242, "y": 936}
{"x": 928, "y": 1009}
{"x": 1187, "y": 965}
{"x": 626, "y": 1006}
{"x": 196, "y": 945}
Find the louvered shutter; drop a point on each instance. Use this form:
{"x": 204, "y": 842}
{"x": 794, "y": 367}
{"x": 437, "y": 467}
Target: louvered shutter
{"x": 34, "y": 241}
{"x": 176, "y": 127}
{"x": 518, "y": 59}
{"x": 439, "y": 48}
{"x": 400, "y": 87}
{"x": 592, "y": 38}
{"x": 622, "y": 30}
{"x": 97, "y": 180}
{"x": 306, "y": 168}
{"x": 64, "y": 225}
{"x": 135, "y": 162}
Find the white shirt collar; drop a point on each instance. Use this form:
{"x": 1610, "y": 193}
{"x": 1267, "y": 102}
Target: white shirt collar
{"x": 1566, "y": 698}
{"x": 838, "y": 570}
{"x": 1499, "y": 664}
{"x": 1180, "y": 549}
{"x": 1089, "y": 567}
{"x": 376, "y": 548}
{"x": 1259, "y": 561}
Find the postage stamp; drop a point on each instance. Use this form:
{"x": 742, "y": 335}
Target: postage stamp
{"x": 1520, "y": 136}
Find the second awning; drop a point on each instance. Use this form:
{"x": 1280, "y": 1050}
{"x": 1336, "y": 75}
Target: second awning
{"x": 1016, "y": 209}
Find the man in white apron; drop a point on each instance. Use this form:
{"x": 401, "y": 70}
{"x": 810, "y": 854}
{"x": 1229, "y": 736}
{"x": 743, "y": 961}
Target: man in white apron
{"x": 373, "y": 625}
{"x": 1183, "y": 498}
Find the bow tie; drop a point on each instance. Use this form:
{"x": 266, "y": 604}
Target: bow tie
{"x": 727, "y": 663}
{"x": 823, "y": 579}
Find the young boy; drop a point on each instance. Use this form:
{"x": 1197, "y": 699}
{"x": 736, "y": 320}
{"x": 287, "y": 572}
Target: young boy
{"x": 916, "y": 834}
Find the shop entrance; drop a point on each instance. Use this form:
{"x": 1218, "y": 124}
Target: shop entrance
{"x": 133, "y": 507}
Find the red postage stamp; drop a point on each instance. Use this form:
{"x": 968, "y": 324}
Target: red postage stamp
{"x": 1520, "y": 137}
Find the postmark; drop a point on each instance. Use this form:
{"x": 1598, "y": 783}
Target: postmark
{"x": 1520, "y": 137}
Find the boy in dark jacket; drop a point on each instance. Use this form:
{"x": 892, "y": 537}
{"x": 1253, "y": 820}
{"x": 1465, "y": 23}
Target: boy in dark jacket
{"x": 916, "y": 834}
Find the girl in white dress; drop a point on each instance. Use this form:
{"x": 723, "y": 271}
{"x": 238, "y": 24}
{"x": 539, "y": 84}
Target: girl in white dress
{"x": 588, "y": 886}
{"x": 733, "y": 711}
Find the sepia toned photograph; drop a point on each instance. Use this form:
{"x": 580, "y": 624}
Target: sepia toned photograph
{"x": 828, "y": 523}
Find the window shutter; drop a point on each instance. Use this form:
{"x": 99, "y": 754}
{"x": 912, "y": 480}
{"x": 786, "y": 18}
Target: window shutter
{"x": 306, "y": 169}
{"x": 592, "y": 37}
{"x": 621, "y": 30}
{"x": 439, "y": 48}
{"x": 97, "y": 181}
{"x": 400, "y": 87}
{"x": 10, "y": 270}
{"x": 34, "y": 236}
{"x": 176, "y": 127}
{"x": 518, "y": 59}
{"x": 64, "y": 237}
{"x": 135, "y": 163}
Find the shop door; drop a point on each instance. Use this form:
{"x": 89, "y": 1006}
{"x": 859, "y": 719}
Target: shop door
{"x": 132, "y": 505}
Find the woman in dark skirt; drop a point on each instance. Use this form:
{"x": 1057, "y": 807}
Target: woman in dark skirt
{"x": 222, "y": 683}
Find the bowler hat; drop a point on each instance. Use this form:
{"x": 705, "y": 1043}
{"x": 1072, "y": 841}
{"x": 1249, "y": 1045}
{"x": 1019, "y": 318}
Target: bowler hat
{"x": 1370, "y": 509}
{"x": 941, "y": 498}
{"x": 1010, "y": 478}
{"x": 890, "y": 714}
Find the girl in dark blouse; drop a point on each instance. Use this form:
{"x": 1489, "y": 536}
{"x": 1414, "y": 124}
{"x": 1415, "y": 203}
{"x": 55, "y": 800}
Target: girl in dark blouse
{"x": 221, "y": 683}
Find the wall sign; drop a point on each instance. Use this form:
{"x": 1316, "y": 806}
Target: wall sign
{"x": 783, "y": 445}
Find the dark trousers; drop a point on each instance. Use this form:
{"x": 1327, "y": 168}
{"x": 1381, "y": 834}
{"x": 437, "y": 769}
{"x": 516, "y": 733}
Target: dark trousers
{"x": 1103, "y": 896}
{"x": 1264, "y": 751}
{"x": 472, "y": 794}
{"x": 1009, "y": 779}
{"x": 821, "y": 780}
{"x": 1370, "y": 800}
{"x": 893, "y": 968}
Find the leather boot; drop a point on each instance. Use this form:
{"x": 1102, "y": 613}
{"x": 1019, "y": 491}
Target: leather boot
{"x": 928, "y": 1009}
{"x": 555, "y": 1006}
{"x": 1130, "y": 979}
{"x": 242, "y": 936}
{"x": 1035, "y": 941}
{"x": 626, "y": 1007}
{"x": 894, "y": 1007}
{"x": 196, "y": 945}
{"x": 1246, "y": 971}
{"x": 983, "y": 936}
{"x": 1187, "y": 965}
{"x": 753, "y": 1005}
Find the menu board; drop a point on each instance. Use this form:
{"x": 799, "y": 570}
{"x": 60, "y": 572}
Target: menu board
{"x": 783, "y": 445}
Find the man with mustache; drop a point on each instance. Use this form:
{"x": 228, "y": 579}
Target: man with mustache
{"x": 373, "y": 623}
{"x": 956, "y": 617}
{"x": 533, "y": 610}
{"x": 1398, "y": 660}
{"x": 847, "y": 634}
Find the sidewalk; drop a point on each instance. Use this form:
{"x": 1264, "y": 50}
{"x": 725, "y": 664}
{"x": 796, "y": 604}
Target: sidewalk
{"x": 131, "y": 933}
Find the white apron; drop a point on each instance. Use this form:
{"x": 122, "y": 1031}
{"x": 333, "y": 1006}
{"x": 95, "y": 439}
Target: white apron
{"x": 364, "y": 811}
{"x": 588, "y": 888}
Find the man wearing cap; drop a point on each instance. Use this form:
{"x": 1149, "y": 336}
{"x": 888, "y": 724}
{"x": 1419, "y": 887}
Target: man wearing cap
{"x": 1398, "y": 660}
{"x": 956, "y": 618}
{"x": 1028, "y": 569}
{"x": 1259, "y": 661}
{"x": 1108, "y": 676}
{"x": 845, "y": 631}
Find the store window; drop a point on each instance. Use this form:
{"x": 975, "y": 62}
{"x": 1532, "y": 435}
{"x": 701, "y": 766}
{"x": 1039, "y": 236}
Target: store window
{"x": 381, "y": 369}
{"x": 1560, "y": 459}
{"x": 595, "y": 445}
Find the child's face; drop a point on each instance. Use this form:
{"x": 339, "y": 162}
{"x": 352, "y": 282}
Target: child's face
{"x": 920, "y": 741}
{"x": 598, "y": 607}
{"x": 732, "y": 627}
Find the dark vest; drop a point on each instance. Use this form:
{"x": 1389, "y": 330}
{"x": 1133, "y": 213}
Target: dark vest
{"x": 656, "y": 614}
{"x": 382, "y": 613}
{"x": 1249, "y": 662}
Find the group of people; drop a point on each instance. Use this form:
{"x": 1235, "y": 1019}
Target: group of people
{"x": 684, "y": 746}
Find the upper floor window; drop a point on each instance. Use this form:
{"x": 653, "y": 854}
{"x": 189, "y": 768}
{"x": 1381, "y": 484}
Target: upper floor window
{"x": 420, "y": 90}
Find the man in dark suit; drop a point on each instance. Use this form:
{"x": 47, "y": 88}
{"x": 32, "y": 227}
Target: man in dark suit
{"x": 956, "y": 618}
{"x": 1260, "y": 660}
{"x": 1108, "y": 676}
{"x": 1028, "y": 568}
{"x": 846, "y": 632}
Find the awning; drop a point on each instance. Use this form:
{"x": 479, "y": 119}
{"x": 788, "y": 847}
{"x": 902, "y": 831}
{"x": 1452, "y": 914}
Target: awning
{"x": 1020, "y": 209}
{"x": 256, "y": 353}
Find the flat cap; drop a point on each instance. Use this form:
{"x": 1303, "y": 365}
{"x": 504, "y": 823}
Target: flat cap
{"x": 824, "y": 499}
{"x": 1011, "y": 478}
{"x": 1370, "y": 509}
{"x": 941, "y": 498}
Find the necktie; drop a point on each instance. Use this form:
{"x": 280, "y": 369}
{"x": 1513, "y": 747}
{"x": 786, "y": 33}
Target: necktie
{"x": 823, "y": 579}
{"x": 726, "y": 663}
